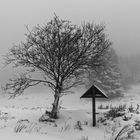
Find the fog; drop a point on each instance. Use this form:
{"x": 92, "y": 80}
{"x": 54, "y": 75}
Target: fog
{"x": 121, "y": 18}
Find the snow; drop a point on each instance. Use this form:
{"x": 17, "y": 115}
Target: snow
{"x": 26, "y": 110}
{"x": 22, "y": 136}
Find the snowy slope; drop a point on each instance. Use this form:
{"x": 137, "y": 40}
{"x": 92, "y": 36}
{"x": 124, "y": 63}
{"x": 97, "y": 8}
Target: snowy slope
{"x": 25, "y": 110}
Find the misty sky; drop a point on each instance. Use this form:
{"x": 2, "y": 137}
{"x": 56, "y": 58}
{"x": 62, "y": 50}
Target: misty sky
{"x": 121, "y": 17}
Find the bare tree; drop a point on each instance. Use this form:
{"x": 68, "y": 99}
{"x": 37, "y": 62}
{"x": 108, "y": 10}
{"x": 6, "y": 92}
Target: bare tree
{"x": 61, "y": 52}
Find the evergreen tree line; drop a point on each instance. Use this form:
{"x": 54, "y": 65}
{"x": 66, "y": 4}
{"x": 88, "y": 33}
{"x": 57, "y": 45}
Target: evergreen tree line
{"x": 108, "y": 77}
{"x": 117, "y": 74}
{"x": 130, "y": 69}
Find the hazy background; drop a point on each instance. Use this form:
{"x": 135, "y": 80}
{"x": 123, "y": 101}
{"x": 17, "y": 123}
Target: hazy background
{"x": 121, "y": 17}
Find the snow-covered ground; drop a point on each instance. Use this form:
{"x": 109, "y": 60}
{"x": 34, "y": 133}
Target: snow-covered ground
{"x": 19, "y": 117}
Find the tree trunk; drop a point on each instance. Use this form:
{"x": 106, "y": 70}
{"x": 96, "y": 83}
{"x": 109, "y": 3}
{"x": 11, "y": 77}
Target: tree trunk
{"x": 54, "y": 112}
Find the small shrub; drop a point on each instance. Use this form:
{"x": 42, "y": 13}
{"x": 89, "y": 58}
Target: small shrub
{"x": 55, "y": 125}
{"x": 66, "y": 127}
{"x": 85, "y": 122}
{"x": 30, "y": 128}
{"x": 126, "y": 133}
{"x": 137, "y": 124}
{"x": 4, "y": 116}
{"x": 131, "y": 109}
{"x": 45, "y": 118}
{"x": 101, "y": 120}
{"x": 26, "y": 126}
{"x": 19, "y": 127}
{"x": 121, "y": 108}
{"x": 126, "y": 118}
{"x": 102, "y": 107}
{"x": 83, "y": 138}
{"x": 137, "y": 109}
{"x": 24, "y": 120}
{"x": 78, "y": 125}
{"x": 115, "y": 112}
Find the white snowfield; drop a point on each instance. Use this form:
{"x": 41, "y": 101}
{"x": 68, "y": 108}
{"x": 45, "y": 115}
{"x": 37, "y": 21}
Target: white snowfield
{"x": 19, "y": 117}
{"x": 25, "y": 136}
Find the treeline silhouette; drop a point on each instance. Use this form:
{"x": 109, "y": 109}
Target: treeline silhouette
{"x": 130, "y": 69}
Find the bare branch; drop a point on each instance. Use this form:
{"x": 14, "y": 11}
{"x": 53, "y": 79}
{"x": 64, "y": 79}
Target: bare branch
{"x": 61, "y": 51}
{"x": 17, "y": 85}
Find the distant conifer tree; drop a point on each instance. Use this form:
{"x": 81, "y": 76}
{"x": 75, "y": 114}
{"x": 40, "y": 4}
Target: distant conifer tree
{"x": 108, "y": 76}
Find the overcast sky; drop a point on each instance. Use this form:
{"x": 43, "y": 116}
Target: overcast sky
{"x": 122, "y": 19}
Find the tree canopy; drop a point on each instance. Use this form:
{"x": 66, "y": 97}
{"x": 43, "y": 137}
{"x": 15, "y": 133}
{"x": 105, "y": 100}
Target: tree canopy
{"x": 61, "y": 52}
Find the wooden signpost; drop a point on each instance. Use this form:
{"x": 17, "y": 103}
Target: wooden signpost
{"x": 94, "y": 92}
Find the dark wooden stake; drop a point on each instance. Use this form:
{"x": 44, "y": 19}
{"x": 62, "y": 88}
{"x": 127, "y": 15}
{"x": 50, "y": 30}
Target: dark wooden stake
{"x": 94, "y": 92}
{"x": 93, "y": 108}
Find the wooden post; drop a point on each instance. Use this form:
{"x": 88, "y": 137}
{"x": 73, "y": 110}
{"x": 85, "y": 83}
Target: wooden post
{"x": 94, "y": 92}
{"x": 93, "y": 107}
